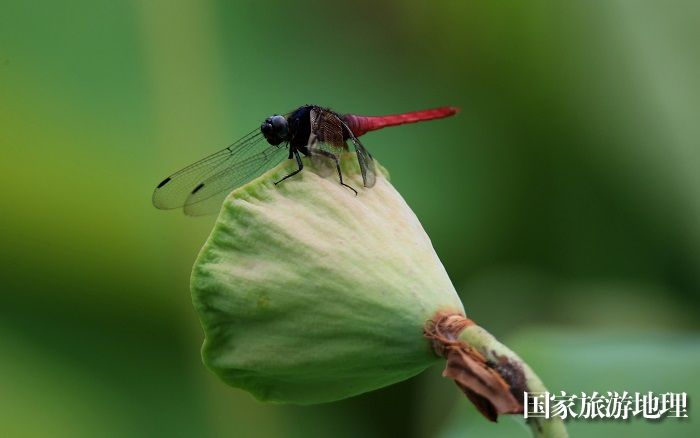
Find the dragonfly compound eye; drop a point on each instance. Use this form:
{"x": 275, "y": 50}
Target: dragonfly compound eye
{"x": 279, "y": 125}
{"x": 275, "y": 129}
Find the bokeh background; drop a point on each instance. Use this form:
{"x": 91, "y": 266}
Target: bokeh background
{"x": 564, "y": 200}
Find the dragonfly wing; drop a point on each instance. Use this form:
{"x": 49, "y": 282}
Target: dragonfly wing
{"x": 364, "y": 158}
{"x": 211, "y": 205}
{"x": 323, "y": 164}
{"x": 211, "y": 190}
{"x": 369, "y": 173}
{"x": 330, "y": 130}
{"x": 326, "y": 143}
{"x": 174, "y": 190}
{"x": 327, "y": 127}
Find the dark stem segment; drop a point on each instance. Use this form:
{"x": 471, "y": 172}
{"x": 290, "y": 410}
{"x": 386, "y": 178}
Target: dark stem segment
{"x": 481, "y": 381}
{"x": 363, "y": 124}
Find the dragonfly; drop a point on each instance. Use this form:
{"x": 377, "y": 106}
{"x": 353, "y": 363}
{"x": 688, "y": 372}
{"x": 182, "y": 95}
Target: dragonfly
{"x": 310, "y": 130}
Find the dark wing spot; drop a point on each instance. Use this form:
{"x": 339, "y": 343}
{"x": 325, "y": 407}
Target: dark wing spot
{"x": 164, "y": 182}
{"x": 198, "y": 188}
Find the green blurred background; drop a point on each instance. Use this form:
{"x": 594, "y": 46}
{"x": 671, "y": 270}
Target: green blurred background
{"x": 564, "y": 200}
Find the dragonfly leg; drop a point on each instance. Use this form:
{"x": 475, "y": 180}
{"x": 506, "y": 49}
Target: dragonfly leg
{"x": 299, "y": 163}
{"x": 337, "y": 165}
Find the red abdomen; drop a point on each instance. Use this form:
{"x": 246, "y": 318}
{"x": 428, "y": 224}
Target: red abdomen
{"x": 362, "y": 124}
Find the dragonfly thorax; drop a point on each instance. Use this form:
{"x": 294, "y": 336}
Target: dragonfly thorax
{"x": 275, "y": 129}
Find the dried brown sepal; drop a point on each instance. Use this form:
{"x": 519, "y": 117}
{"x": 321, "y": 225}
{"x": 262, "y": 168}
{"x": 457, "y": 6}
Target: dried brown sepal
{"x": 478, "y": 378}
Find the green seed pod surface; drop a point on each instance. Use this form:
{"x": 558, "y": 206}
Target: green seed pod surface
{"x": 308, "y": 293}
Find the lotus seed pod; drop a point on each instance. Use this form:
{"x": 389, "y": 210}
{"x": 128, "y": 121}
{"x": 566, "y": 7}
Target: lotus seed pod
{"x": 308, "y": 293}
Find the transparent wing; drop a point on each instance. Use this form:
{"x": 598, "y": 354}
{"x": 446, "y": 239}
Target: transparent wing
{"x": 205, "y": 197}
{"x": 364, "y": 158}
{"x": 174, "y": 191}
{"x": 329, "y": 129}
{"x": 326, "y": 143}
{"x": 366, "y": 161}
{"x": 323, "y": 156}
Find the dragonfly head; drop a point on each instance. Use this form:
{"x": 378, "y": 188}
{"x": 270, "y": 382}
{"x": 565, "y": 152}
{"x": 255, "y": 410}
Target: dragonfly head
{"x": 275, "y": 129}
